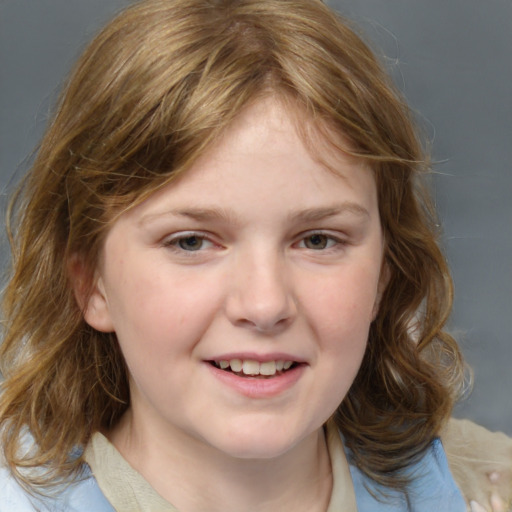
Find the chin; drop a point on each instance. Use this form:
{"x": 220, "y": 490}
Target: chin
{"x": 259, "y": 442}
{"x": 260, "y": 449}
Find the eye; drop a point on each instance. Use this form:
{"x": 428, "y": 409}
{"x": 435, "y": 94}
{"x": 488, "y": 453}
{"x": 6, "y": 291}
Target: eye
{"x": 316, "y": 241}
{"x": 190, "y": 242}
{"x": 319, "y": 242}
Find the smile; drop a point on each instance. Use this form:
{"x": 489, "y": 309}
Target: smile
{"x": 252, "y": 368}
{"x": 260, "y": 377}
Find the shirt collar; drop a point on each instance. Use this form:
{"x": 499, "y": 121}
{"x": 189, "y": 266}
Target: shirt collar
{"x": 128, "y": 490}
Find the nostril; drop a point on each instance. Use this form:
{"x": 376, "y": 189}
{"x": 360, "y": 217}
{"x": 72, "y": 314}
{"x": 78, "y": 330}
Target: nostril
{"x": 263, "y": 325}
{"x": 264, "y": 304}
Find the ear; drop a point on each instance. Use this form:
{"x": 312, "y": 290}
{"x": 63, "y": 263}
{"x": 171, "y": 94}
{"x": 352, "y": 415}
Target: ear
{"x": 385, "y": 276}
{"x": 91, "y": 297}
{"x": 96, "y": 312}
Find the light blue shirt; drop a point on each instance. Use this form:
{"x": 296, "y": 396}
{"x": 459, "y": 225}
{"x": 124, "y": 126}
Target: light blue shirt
{"x": 432, "y": 490}
{"x": 81, "y": 496}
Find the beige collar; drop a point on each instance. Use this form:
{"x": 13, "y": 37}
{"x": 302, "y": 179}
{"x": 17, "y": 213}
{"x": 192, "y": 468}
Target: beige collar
{"x": 125, "y": 489}
{"x": 128, "y": 491}
{"x": 343, "y": 496}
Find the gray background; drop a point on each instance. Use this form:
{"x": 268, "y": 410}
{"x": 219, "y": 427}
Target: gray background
{"x": 453, "y": 61}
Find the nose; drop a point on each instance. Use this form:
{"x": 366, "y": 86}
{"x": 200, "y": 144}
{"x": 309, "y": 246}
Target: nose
{"x": 261, "y": 293}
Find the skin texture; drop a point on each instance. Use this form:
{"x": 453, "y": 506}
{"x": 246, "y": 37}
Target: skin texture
{"x": 259, "y": 252}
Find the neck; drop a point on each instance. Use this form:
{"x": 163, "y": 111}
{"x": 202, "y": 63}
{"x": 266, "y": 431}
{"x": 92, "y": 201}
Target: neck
{"x": 205, "y": 479}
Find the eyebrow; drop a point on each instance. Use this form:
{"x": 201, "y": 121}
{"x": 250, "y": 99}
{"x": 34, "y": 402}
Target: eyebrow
{"x": 197, "y": 214}
{"x": 304, "y": 216}
{"x": 322, "y": 213}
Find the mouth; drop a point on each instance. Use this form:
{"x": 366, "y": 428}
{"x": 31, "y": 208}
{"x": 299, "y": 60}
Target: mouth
{"x": 250, "y": 368}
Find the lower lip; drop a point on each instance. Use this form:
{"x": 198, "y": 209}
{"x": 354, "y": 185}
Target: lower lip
{"x": 254, "y": 387}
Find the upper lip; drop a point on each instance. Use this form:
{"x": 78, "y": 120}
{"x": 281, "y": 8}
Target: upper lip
{"x": 260, "y": 358}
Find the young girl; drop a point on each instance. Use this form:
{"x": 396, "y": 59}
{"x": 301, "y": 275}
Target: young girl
{"x": 227, "y": 292}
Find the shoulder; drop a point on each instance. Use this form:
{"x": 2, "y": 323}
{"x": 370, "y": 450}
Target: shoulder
{"x": 480, "y": 461}
{"x": 431, "y": 487}
{"x": 82, "y": 495}
{"x": 12, "y": 496}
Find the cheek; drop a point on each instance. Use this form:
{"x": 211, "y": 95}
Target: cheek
{"x": 342, "y": 307}
{"x": 160, "y": 311}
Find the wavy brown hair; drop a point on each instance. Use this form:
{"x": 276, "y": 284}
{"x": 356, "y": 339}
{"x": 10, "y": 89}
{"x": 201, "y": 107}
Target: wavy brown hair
{"x": 154, "y": 89}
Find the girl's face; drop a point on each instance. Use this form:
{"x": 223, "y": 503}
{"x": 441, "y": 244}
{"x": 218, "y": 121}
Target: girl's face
{"x": 242, "y": 293}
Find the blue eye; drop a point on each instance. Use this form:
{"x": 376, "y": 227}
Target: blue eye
{"x": 188, "y": 242}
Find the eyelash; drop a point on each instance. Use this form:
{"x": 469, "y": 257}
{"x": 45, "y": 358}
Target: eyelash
{"x": 332, "y": 242}
{"x": 174, "y": 243}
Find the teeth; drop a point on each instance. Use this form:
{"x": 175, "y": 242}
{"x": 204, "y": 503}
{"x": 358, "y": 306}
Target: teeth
{"x": 253, "y": 368}
{"x": 268, "y": 368}
{"x": 236, "y": 365}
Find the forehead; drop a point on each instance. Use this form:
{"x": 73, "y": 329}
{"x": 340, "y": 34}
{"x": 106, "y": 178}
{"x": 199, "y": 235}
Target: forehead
{"x": 269, "y": 156}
